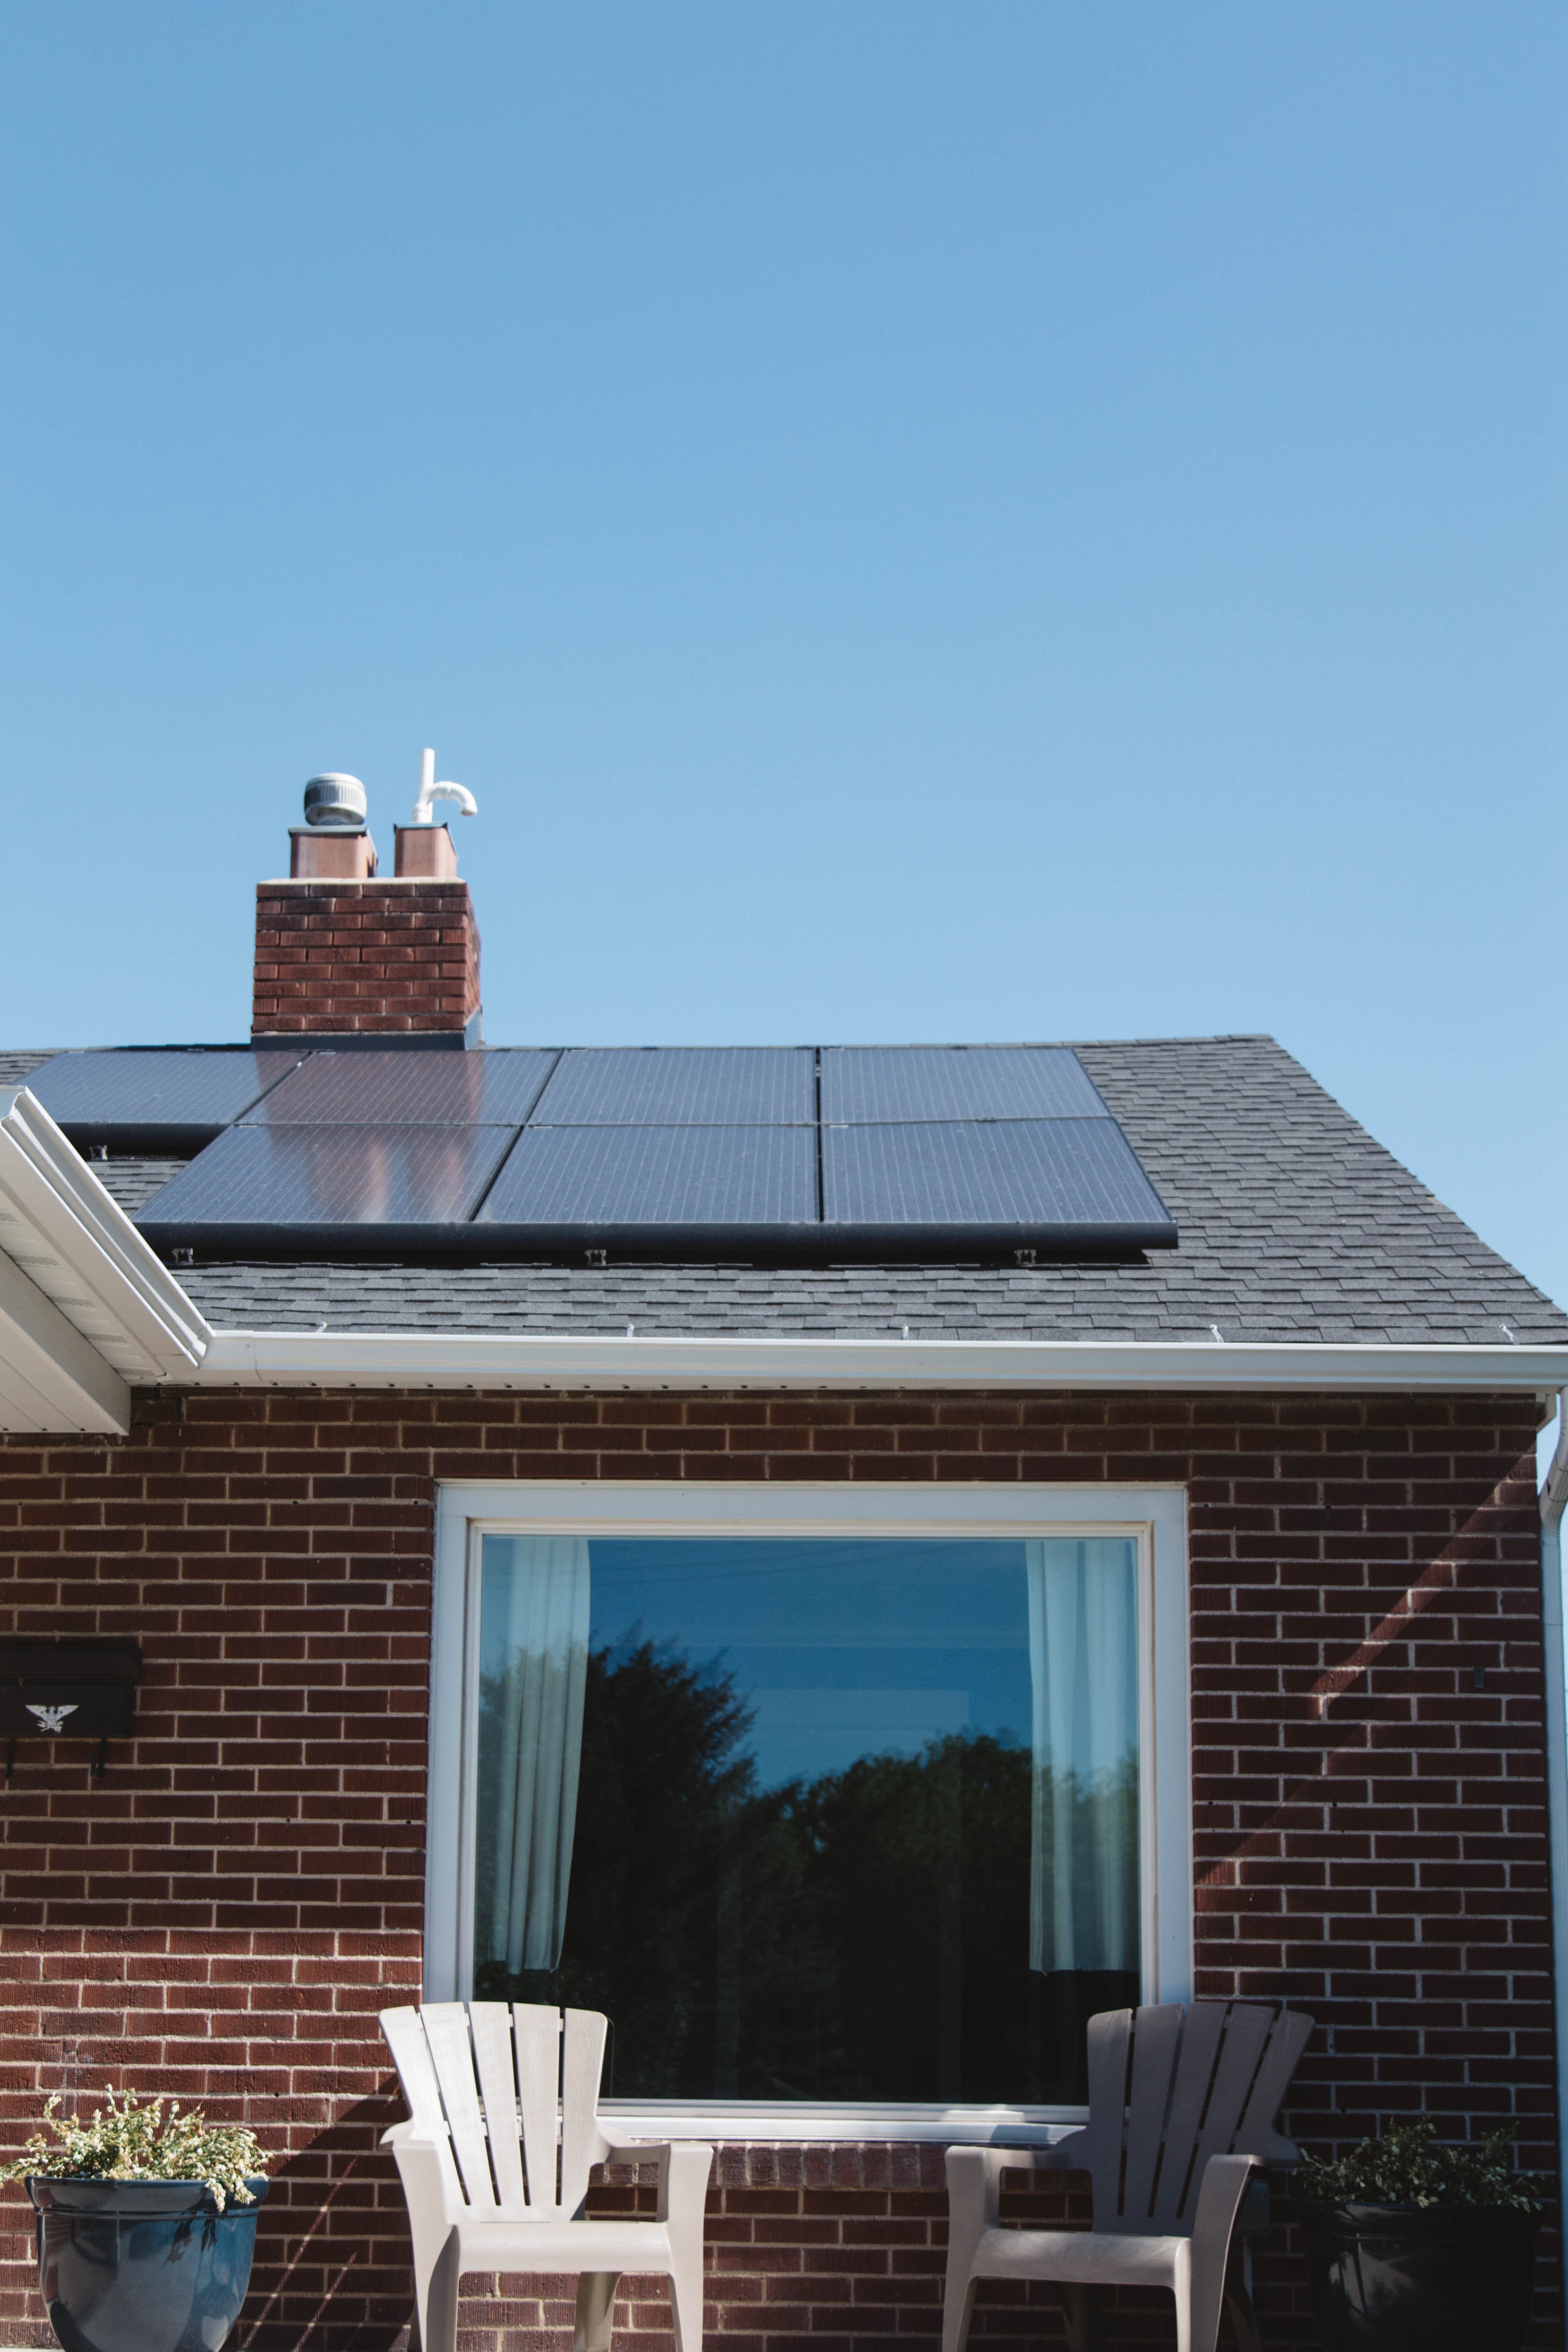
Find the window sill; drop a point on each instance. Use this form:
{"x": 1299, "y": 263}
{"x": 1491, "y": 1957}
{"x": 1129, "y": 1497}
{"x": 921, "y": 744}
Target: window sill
{"x": 734, "y": 2121}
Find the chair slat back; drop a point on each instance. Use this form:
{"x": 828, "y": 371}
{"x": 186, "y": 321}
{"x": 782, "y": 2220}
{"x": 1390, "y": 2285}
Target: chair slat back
{"x": 538, "y": 2030}
{"x": 1258, "y": 2132}
{"x": 1154, "y": 2048}
{"x": 581, "y": 2069}
{"x": 411, "y": 2056}
{"x": 490, "y": 2023}
{"x": 1168, "y": 2088}
{"x": 446, "y": 2024}
{"x": 515, "y": 2096}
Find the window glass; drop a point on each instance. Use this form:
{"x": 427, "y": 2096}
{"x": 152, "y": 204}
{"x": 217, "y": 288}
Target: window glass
{"x": 813, "y": 1819}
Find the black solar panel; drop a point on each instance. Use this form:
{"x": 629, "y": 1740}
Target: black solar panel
{"x": 256, "y": 1178}
{"x": 573, "y": 1181}
{"x": 408, "y": 1089}
{"x": 679, "y": 1085}
{"x": 1043, "y": 1181}
{"x": 862, "y": 1082}
{"x": 157, "y": 1097}
{"x": 678, "y": 1152}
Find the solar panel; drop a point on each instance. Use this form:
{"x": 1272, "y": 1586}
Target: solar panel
{"x": 681, "y": 1152}
{"x": 862, "y": 1082}
{"x": 678, "y": 1085}
{"x": 254, "y": 1179}
{"x": 408, "y": 1089}
{"x": 156, "y": 1097}
{"x": 1041, "y": 1181}
{"x": 572, "y": 1182}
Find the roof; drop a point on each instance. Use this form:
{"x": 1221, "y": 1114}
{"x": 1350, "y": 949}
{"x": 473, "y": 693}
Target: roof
{"x": 1296, "y": 1227}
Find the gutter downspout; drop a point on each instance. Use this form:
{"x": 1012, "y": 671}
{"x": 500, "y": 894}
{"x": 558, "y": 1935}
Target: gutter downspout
{"x": 1553, "y": 1501}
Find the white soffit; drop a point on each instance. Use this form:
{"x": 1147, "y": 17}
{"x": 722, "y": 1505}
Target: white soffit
{"x": 558, "y": 1361}
{"x": 86, "y": 1308}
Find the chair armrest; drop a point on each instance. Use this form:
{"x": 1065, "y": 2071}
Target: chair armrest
{"x": 1225, "y": 2179}
{"x": 638, "y": 2151}
{"x": 974, "y": 2177}
{"x": 431, "y": 2188}
{"x": 629, "y": 2151}
{"x": 684, "y": 2168}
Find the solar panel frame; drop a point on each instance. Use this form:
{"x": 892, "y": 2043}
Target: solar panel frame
{"x": 267, "y": 1188}
{"x": 879, "y": 1085}
{"x": 663, "y": 1190}
{"x": 487, "y": 1088}
{"x": 1000, "y": 1184}
{"x": 166, "y": 1100}
{"x": 681, "y": 1085}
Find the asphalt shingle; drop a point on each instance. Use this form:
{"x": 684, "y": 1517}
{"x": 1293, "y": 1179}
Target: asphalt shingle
{"x": 1295, "y": 1225}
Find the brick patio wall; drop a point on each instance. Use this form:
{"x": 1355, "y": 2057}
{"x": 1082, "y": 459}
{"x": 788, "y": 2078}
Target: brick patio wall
{"x": 224, "y": 1912}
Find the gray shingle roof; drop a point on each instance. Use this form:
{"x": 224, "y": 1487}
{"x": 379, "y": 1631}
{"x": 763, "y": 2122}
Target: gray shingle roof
{"x": 1295, "y": 1225}
{"x": 132, "y": 1182}
{"x": 17, "y": 1067}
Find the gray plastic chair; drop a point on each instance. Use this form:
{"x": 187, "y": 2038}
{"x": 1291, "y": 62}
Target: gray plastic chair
{"x": 503, "y": 2129}
{"x": 1181, "y": 2105}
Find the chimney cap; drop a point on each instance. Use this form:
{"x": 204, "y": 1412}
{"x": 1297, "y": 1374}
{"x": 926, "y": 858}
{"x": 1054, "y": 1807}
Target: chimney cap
{"x": 335, "y": 801}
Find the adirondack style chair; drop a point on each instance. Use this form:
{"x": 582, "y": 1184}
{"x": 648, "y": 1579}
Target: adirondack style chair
{"x": 1182, "y": 2105}
{"x": 493, "y": 2160}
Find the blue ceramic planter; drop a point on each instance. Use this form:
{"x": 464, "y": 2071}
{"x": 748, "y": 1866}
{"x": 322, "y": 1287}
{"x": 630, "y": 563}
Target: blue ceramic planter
{"x": 142, "y": 2265}
{"x": 1406, "y": 2278}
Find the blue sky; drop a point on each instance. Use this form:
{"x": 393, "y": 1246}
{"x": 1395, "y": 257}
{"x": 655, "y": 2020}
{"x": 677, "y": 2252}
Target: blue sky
{"x": 914, "y": 522}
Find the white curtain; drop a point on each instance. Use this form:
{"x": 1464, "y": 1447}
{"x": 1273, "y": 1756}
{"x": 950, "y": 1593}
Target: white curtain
{"x": 536, "y": 1616}
{"x": 1083, "y": 1666}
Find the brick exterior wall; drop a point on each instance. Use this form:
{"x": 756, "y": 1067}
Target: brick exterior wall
{"x": 383, "y": 956}
{"x": 224, "y": 1913}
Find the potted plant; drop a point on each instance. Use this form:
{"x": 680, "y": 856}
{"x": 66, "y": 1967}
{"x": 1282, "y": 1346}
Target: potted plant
{"x": 1414, "y": 2246}
{"x": 146, "y": 2228}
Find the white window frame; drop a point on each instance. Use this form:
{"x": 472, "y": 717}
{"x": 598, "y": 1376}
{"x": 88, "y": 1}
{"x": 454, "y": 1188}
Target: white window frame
{"x": 1155, "y": 1517}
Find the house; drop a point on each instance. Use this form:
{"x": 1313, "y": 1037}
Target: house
{"x": 847, "y": 1561}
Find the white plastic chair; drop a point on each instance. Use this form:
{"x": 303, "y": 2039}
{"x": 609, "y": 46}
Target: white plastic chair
{"x": 503, "y": 2129}
{"x": 1181, "y": 2105}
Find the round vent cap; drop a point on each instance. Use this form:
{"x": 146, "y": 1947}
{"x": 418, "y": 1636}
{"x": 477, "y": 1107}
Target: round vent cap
{"x": 335, "y": 801}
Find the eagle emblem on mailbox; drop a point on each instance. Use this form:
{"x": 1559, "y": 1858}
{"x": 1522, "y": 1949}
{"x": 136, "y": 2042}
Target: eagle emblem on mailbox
{"x": 51, "y": 1718}
{"x": 68, "y": 1689}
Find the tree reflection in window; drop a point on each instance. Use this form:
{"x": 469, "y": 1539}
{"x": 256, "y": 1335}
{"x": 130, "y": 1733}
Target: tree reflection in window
{"x": 857, "y": 1934}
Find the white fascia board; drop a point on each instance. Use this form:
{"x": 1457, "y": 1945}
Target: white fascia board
{"x": 394, "y": 1360}
{"x": 73, "y": 1241}
{"x": 51, "y": 1377}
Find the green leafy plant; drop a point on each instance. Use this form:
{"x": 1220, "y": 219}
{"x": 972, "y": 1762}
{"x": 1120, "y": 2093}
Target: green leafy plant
{"x": 1410, "y": 2166}
{"x": 132, "y": 2142}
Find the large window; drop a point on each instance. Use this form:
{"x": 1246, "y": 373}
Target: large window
{"x": 844, "y": 1815}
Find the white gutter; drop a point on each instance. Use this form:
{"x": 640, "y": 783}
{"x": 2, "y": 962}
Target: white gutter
{"x": 390, "y": 1359}
{"x": 87, "y": 1309}
{"x": 1554, "y": 1500}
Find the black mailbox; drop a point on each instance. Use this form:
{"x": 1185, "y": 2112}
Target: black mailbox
{"x": 67, "y": 1690}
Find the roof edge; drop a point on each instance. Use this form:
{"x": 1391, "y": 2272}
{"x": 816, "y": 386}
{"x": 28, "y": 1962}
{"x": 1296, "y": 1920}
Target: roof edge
{"x": 86, "y": 1307}
{"x": 394, "y": 1360}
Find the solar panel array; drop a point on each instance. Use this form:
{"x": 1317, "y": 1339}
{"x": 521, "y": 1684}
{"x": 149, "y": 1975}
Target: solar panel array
{"x": 674, "y": 1152}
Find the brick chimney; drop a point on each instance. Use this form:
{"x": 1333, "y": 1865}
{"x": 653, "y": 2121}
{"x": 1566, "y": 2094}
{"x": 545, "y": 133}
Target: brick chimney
{"x": 340, "y": 949}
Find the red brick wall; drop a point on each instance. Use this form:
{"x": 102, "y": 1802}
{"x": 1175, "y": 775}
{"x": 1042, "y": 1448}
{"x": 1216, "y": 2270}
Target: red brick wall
{"x": 385, "y": 956}
{"x": 223, "y": 1914}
